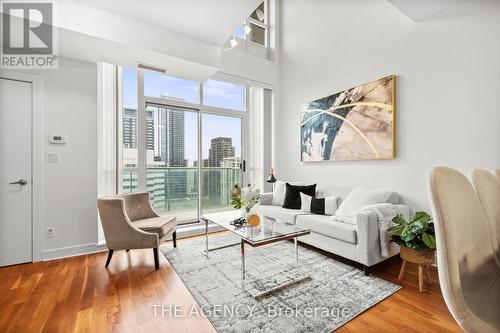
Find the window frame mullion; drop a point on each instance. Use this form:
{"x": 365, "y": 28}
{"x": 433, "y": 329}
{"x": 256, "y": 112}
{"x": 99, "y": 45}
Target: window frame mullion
{"x": 141, "y": 134}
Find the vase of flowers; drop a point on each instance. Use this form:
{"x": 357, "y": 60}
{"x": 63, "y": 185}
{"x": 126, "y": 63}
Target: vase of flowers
{"x": 246, "y": 197}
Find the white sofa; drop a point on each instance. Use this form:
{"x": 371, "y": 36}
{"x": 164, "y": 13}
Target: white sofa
{"x": 358, "y": 241}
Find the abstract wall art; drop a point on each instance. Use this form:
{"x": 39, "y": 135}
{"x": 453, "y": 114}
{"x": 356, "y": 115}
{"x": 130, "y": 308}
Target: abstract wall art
{"x": 354, "y": 124}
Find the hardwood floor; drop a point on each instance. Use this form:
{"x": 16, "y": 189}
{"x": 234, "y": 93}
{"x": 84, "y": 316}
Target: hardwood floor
{"x": 79, "y": 295}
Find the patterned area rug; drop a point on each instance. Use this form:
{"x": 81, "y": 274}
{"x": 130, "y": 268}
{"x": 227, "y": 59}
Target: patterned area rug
{"x": 335, "y": 294}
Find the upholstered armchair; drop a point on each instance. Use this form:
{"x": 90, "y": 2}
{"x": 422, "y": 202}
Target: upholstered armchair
{"x": 129, "y": 222}
{"x": 468, "y": 272}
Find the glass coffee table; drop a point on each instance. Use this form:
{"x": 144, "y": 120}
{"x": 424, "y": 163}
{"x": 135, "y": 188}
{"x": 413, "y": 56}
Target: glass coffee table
{"x": 264, "y": 234}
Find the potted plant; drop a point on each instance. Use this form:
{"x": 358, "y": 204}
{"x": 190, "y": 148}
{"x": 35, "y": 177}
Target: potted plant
{"x": 417, "y": 234}
{"x": 417, "y": 242}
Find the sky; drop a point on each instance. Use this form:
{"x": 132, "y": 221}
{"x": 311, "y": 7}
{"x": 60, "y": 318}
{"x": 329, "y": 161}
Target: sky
{"x": 215, "y": 93}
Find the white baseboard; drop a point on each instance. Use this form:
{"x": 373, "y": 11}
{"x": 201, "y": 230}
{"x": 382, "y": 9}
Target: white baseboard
{"x": 72, "y": 251}
{"x": 78, "y": 250}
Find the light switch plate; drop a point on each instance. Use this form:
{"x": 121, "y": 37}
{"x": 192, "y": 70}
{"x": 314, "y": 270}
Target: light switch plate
{"x": 52, "y": 158}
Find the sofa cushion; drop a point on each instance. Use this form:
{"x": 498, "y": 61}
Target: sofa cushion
{"x": 323, "y": 206}
{"x": 344, "y": 219}
{"x": 280, "y": 214}
{"x": 324, "y": 225}
{"x": 292, "y": 197}
{"x": 162, "y": 225}
{"x": 360, "y": 197}
{"x": 278, "y": 193}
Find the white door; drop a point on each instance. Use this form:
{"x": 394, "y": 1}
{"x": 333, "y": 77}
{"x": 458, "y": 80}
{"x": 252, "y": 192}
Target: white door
{"x": 15, "y": 172}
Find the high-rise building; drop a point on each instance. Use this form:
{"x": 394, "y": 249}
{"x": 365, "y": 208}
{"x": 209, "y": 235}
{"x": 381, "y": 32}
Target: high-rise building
{"x": 150, "y": 131}
{"x": 165, "y": 148}
{"x": 129, "y": 129}
{"x": 231, "y": 162}
{"x": 169, "y": 138}
{"x": 219, "y": 149}
{"x": 176, "y": 147}
{"x": 169, "y": 152}
{"x": 204, "y": 163}
{"x": 216, "y": 176}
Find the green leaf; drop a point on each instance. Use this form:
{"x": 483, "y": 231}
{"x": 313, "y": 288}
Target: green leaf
{"x": 419, "y": 226}
{"x": 429, "y": 240}
{"x": 407, "y": 234}
{"x": 399, "y": 219}
{"x": 421, "y": 216}
{"x": 395, "y": 227}
{"x": 237, "y": 202}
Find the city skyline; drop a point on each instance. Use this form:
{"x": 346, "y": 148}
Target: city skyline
{"x": 165, "y": 139}
{"x": 213, "y": 125}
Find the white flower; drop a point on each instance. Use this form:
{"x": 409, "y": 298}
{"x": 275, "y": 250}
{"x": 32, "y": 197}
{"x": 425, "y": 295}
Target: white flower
{"x": 250, "y": 196}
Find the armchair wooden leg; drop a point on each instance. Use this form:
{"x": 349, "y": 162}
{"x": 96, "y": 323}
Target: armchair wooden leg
{"x": 174, "y": 238}
{"x": 157, "y": 262}
{"x": 366, "y": 270}
{"x": 110, "y": 254}
{"x": 127, "y": 250}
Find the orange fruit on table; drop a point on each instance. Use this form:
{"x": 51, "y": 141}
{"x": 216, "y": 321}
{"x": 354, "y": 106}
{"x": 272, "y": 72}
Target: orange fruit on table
{"x": 254, "y": 220}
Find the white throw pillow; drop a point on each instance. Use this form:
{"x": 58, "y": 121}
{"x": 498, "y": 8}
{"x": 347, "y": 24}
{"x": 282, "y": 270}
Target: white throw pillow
{"x": 331, "y": 203}
{"x": 305, "y": 202}
{"x": 279, "y": 193}
{"x": 360, "y": 197}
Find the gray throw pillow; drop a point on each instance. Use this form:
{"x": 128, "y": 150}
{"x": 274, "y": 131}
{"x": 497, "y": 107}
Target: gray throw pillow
{"x": 360, "y": 197}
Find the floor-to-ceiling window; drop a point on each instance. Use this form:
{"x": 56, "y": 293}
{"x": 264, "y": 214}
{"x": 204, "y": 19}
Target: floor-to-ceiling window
{"x": 181, "y": 140}
{"x": 222, "y": 163}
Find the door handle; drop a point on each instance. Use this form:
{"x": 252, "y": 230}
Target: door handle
{"x": 20, "y": 182}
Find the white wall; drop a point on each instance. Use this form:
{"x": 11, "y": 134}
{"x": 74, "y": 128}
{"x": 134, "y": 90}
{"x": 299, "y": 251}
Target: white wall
{"x": 70, "y": 186}
{"x": 448, "y": 87}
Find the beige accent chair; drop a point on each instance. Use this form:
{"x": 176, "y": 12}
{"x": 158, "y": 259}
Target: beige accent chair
{"x": 129, "y": 222}
{"x": 488, "y": 189}
{"x": 468, "y": 273}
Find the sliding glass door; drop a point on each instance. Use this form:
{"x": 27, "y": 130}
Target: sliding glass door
{"x": 181, "y": 141}
{"x": 171, "y": 155}
{"x": 222, "y": 160}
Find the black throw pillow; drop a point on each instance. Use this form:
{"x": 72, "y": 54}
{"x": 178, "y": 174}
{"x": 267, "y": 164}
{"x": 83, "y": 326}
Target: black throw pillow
{"x": 292, "y": 195}
{"x": 318, "y": 206}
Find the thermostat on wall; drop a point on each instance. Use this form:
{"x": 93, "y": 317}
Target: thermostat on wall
{"x": 57, "y": 139}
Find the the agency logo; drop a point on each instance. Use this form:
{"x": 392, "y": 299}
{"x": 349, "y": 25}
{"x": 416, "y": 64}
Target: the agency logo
{"x": 28, "y": 35}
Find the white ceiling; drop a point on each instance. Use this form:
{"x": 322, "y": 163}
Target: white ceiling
{"x": 418, "y": 10}
{"x": 208, "y": 21}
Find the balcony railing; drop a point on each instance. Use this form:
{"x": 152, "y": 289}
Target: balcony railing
{"x": 175, "y": 189}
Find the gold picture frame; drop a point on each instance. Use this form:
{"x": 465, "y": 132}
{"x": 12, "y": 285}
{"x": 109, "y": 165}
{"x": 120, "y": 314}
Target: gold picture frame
{"x": 358, "y": 123}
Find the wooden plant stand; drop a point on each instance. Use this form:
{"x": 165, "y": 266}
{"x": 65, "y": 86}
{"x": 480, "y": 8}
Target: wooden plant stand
{"x": 423, "y": 258}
